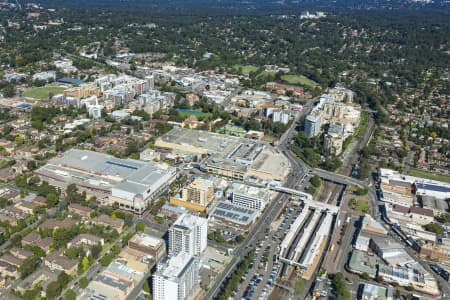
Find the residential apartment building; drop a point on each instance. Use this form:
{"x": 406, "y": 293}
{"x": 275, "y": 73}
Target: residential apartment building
{"x": 83, "y": 91}
{"x": 198, "y": 195}
{"x": 176, "y": 278}
{"x": 188, "y": 234}
{"x": 312, "y": 125}
{"x": 329, "y": 111}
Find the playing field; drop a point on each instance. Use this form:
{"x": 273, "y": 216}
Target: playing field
{"x": 43, "y": 93}
{"x": 298, "y": 79}
{"x": 246, "y": 69}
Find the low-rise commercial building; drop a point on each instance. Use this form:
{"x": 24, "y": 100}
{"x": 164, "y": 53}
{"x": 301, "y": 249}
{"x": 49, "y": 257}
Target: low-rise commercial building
{"x": 115, "y": 282}
{"x": 410, "y": 277}
{"x": 369, "y": 224}
{"x": 227, "y": 156}
{"x": 433, "y": 193}
{"x": 375, "y": 292}
{"x": 404, "y": 215}
{"x": 362, "y": 243}
{"x": 438, "y": 206}
{"x": 233, "y": 216}
{"x": 361, "y": 263}
{"x": 148, "y": 244}
{"x": 133, "y": 184}
{"x": 436, "y": 251}
{"x": 391, "y": 252}
{"x": 437, "y": 189}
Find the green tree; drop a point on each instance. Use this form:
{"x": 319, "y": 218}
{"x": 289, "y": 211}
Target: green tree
{"x": 140, "y": 227}
{"x": 84, "y": 264}
{"x": 96, "y": 250}
{"x": 63, "y": 279}
{"x": 29, "y": 265}
{"x": 84, "y": 282}
{"x": 361, "y": 191}
{"x": 53, "y": 290}
{"x": 146, "y": 287}
{"x": 51, "y": 199}
{"x": 434, "y": 227}
{"x": 342, "y": 291}
{"x": 9, "y": 91}
{"x": 316, "y": 181}
{"x": 19, "y": 140}
{"x": 70, "y": 295}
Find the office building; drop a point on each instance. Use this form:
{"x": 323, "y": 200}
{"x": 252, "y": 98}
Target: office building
{"x": 248, "y": 196}
{"x": 176, "y": 278}
{"x": 188, "y": 234}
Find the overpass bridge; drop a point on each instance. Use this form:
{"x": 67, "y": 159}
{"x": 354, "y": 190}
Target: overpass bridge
{"x": 292, "y": 263}
{"x": 307, "y": 199}
{"x": 338, "y": 178}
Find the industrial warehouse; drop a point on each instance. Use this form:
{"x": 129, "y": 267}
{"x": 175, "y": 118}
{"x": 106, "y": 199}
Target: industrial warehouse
{"x": 133, "y": 184}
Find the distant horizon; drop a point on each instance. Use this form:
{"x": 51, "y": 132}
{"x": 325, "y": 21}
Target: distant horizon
{"x": 262, "y": 6}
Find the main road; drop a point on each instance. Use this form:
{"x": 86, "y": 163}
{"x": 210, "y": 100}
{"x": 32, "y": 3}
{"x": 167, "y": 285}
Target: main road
{"x": 298, "y": 170}
{"x": 269, "y": 215}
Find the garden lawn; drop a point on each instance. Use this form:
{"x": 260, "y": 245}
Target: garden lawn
{"x": 362, "y": 206}
{"x": 418, "y": 173}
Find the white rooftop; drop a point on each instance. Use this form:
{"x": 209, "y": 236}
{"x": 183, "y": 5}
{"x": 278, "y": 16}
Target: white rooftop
{"x": 189, "y": 221}
{"x": 146, "y": 240}
{"x": 176, "y": 265}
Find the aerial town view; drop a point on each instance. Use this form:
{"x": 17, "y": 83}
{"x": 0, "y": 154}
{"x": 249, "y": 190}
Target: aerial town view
{"x": 224, "y": 150}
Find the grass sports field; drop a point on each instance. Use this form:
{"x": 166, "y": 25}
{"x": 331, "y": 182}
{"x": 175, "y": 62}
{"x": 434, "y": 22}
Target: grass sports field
{"x": 298, "y": 79}
{"x": 245, "y": 69}
{"x": 43, "y": 93}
